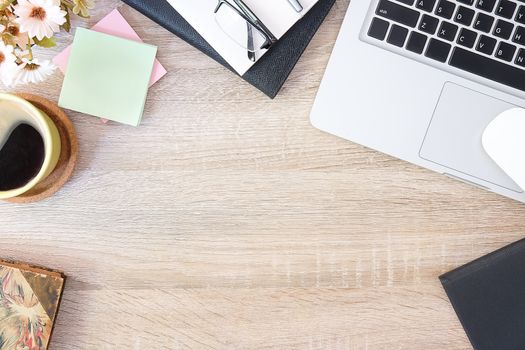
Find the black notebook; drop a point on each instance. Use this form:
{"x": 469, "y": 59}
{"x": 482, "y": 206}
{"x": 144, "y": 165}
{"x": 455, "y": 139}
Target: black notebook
{"x": 488, "y": 296}
{"x": 271, "y": 71}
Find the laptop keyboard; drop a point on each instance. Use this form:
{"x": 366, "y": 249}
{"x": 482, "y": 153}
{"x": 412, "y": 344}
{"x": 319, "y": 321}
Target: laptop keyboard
{"x": 482, "y": 37}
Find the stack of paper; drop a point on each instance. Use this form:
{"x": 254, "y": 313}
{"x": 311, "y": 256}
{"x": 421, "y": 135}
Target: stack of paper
{"x": 108, "y": 76}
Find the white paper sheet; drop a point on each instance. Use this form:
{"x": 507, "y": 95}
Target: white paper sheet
{"x": 277, "y": 15}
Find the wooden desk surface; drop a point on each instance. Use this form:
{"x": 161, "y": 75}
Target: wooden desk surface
{"x": 226, "y": 221}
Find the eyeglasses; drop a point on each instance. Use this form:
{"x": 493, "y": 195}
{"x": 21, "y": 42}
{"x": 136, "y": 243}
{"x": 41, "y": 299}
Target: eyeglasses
{"x": 236, "y": 19}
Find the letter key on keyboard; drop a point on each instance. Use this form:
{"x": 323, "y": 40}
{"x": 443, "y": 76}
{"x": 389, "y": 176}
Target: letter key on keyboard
{"x": 483, "y": 37}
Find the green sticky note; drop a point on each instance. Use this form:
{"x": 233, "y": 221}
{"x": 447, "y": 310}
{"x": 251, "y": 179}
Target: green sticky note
{"x": 107, "y": 77}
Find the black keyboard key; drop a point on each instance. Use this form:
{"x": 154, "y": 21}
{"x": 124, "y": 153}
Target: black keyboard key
{"x": 464, "y": 15}
{"x": 397, "y": 13}
{"x": 467, "y": 38}
{"x": 484, "y": 22}
{"x": 503, "y": 29}
{"x": 520, "y": 58}
{"x": 445, "y": 9}
{"x": 506, "y": 8}
{"x": 447, "y": 31}
{"x": 426, "y": 5}
{"x": 438, "y": 50}
{"x": 520, "y": 15}
{"x": 397, "y": 35}
{"x": 466, "y": 2}
{"x": 486, "y": 45}
{"x": 416, "y": 42}
{"x": 519, "y": 36}
{"x": 428, "y": 24}
{"x": 488, "y": 68}
{"x": 505, "y": 51}
{"x": 378, "y": 29}
{"x": 407, "y": 2}
{"x": 486, "y": 5}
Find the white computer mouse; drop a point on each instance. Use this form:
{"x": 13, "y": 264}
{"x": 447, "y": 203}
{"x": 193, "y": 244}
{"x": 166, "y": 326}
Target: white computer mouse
{"x": 504, "y": 141}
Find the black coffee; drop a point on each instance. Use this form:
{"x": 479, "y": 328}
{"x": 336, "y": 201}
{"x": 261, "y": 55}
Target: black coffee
{"x": 21, "y": 157}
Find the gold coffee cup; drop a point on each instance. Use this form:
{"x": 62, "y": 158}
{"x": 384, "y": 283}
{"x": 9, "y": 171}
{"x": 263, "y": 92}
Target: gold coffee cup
{"x": 16, "y": 112}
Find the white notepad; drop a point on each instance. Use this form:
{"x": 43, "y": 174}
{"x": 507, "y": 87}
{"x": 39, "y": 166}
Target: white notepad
{"x": 278, "y": 15}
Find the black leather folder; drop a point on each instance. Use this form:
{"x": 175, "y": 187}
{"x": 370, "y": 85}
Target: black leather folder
{"x": 488, "y": 296}
{"x": 272, "y": 70}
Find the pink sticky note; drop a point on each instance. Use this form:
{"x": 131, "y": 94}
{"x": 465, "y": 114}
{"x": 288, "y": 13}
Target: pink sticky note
{"x": 116, "y": 25}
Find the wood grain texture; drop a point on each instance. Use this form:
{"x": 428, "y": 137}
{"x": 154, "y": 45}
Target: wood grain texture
{"x": 226, "y": 221}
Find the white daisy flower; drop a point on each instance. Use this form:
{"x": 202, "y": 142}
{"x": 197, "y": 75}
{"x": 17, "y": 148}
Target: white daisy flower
{"x": 8, "y": 66}
{"x": 39, "y": 18}
{"x": 34, "y": 71}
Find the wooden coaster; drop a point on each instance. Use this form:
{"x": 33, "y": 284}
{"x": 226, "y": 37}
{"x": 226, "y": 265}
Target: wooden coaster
{"x": 68, "y": 155}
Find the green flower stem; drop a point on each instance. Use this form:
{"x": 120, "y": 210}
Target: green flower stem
{"x": 30, "y": 49}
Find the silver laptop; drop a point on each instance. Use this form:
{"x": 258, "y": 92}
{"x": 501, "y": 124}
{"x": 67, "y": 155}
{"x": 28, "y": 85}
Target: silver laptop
{"x": 421, "y": 79}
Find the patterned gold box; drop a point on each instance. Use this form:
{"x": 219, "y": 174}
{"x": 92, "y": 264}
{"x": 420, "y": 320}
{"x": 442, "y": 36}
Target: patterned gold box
{"x": 29, "y": 300}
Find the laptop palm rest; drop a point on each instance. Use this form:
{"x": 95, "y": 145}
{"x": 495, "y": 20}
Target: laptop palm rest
{"x": 453, "y": 138}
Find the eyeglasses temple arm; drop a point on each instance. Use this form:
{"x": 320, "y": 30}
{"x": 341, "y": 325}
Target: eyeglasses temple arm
{"x": 248, "y": 12}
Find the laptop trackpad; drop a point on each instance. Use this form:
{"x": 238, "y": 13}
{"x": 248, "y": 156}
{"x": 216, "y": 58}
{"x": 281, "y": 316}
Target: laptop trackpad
{"x": 454, "y": 135}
